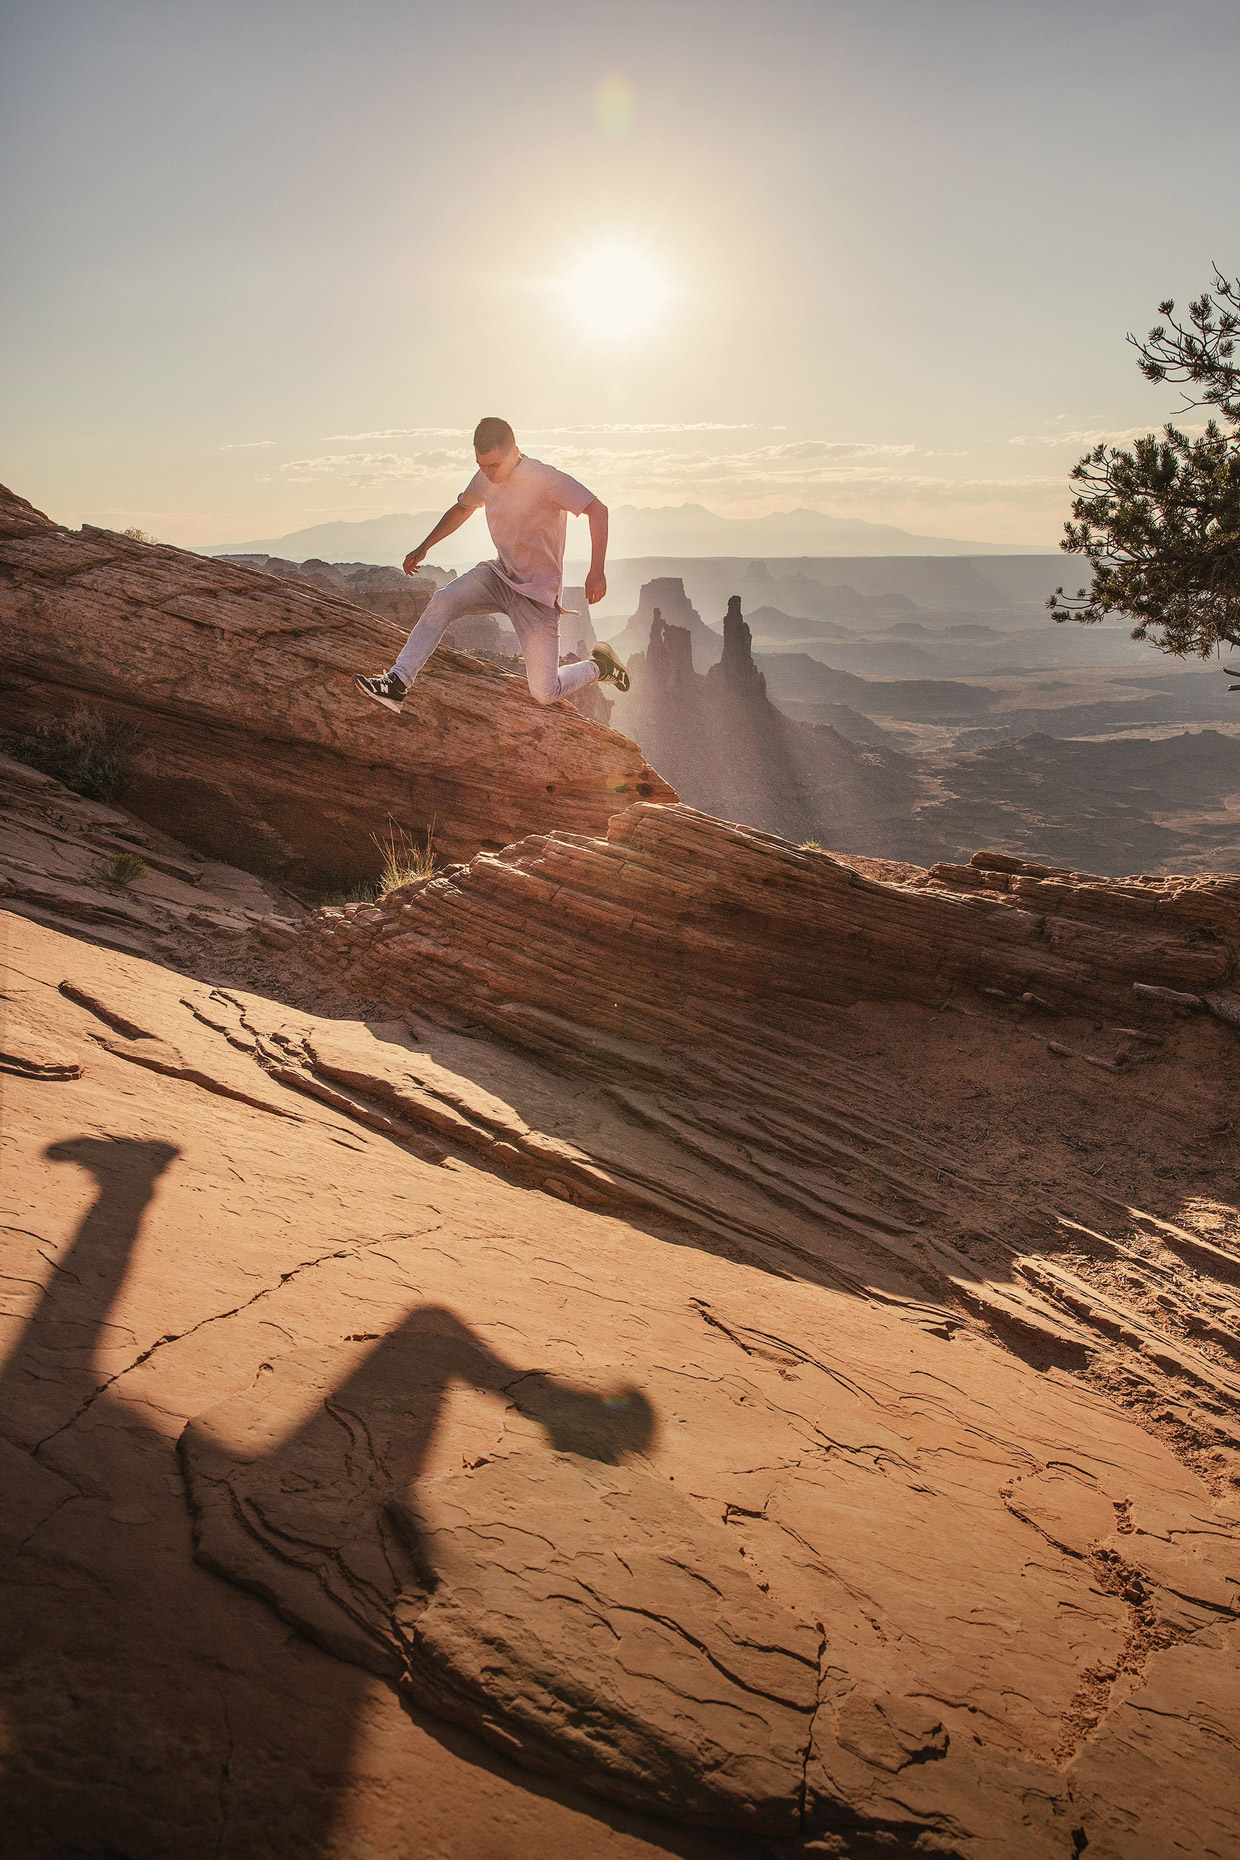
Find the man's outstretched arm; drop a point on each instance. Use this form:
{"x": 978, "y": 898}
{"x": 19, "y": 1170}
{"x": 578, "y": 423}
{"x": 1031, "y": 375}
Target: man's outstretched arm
{"x": 596, "y": 580}
{"x": 450, "y": 521}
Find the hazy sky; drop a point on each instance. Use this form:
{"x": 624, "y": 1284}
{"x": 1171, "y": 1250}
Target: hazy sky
{"x": 267, "y": 262}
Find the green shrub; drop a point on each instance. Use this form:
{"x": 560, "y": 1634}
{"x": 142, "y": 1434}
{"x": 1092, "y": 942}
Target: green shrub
{"x": 89, "y": 752}
{"x": 124, "y": 867}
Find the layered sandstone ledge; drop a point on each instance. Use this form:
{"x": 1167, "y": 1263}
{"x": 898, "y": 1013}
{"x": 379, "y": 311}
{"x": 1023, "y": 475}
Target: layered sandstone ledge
{"x": 258, "y": 750}
{"x": 676, "y": 923}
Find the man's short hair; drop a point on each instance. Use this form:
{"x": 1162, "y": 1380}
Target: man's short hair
{"x": 492, "y": 435}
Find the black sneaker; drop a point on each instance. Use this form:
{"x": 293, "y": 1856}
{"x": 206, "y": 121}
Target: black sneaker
{"x": 610, "y": 669}
{"x": 384, "y": 688}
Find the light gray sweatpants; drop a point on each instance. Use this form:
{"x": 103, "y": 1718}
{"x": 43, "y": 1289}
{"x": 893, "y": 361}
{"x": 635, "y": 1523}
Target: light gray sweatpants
{"x": 537, "y": 627}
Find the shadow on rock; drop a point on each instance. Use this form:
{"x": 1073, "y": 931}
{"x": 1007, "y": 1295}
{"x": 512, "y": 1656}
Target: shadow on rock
{"x": 149, "y": 1709}
{"x": 514, "y": 1568}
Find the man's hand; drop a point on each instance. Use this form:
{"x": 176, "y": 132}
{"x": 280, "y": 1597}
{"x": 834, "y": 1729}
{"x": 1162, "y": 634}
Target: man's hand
{"x": 447, "y": 525}
{"x": 596, "y": 581}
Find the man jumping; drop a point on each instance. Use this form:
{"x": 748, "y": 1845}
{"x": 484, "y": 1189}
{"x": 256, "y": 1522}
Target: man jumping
{"x": 526, "y": 504}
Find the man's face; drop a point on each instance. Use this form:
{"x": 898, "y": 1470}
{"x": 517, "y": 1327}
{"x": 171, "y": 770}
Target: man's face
{"x": 498, "y": 464}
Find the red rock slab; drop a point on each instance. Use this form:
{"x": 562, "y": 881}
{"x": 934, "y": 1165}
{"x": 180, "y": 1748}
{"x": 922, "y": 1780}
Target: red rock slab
{"x": 676, "y": 922}
{"x": 259, "y": 750}
{"x": 879, "y": 1462}
{"x": 1129, "y": 1778}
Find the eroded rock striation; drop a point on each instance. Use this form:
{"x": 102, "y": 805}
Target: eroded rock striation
{"x": 646, "y": 1350}
{"x": 676, "y": 919}
{"x": 258, "y": 750}
{"x": 684, "y": 960}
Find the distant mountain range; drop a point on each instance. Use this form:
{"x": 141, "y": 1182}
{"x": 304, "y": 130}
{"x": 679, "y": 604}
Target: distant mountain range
{"x": 675, "y": 530}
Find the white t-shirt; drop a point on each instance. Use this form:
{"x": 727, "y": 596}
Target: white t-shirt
{"x": 527, "y": 516}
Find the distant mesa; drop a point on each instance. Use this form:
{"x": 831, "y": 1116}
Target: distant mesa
{"x": 669, "y": 657}
{"x": 666, "y": 596}
{"x": 729, "y": 751}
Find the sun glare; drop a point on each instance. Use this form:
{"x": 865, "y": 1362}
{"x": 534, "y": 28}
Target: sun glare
{"x": 615, "y": 292}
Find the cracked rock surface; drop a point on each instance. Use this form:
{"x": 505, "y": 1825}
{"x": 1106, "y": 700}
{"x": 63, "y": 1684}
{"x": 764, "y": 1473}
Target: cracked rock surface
{"x": 706, "y": 1428}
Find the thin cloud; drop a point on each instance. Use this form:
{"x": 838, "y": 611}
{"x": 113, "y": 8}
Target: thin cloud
{"x": 397, "y": 432}
{"x": 809, "y": 469}
{"x": 658, "y": 426}
{"x": 247, "y": 445}
{"x": 1090, "y": 437}
{"x": 800, "y": 449}
{"x": 617, "y": 427}
{"x": 366, "y": 471}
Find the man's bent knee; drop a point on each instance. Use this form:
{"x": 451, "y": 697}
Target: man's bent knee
{"x": 543, "y": 693}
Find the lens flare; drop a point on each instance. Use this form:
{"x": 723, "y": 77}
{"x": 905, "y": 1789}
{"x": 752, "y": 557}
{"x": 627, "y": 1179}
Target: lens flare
{"x": 614, "y": 105}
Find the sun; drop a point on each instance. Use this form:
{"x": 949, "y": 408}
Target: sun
{"x": 615, "y": 292}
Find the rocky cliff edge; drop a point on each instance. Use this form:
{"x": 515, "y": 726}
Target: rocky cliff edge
{"x": 258, "y": 750}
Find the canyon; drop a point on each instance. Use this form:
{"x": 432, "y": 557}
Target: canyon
{"x": 1100, "y": 766}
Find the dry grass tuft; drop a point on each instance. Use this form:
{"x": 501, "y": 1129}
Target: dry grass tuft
{"x": 404, "y": 861}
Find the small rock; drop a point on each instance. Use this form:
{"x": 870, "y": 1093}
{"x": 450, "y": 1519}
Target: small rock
{"x": 1168, "y": 997}
{"x": 31, "y": 1056}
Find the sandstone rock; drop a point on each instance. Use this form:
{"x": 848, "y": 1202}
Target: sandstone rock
{"x": 1167, "y": 997}
{"x": 676, "y": 914}
{"x": 56, "y": 852}
{"x": 736, "y": 670}
{"x": 30, "y": 1057}
{"x": 1140, "y": 1807}
{"x": 258, "y": 749}
{"x": 592, "y": 1621}
{"x": 935, "y": 1577}
{"x": 577, "y": 1614}
{"x": 681, "y": 950}
{"x": 1225, "y": 1008}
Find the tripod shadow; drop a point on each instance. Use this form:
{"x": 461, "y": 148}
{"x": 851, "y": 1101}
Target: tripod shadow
{"x": 153, "y": 1709}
